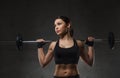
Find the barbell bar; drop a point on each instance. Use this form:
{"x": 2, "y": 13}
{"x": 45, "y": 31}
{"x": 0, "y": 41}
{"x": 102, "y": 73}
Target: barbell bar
{"x": 111, "y": 41}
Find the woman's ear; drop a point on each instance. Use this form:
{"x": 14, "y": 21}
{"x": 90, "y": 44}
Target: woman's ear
{"x": 69, "y": 25}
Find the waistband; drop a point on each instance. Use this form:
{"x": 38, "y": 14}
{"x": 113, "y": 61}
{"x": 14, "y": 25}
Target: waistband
{"x": 76, "y": 76}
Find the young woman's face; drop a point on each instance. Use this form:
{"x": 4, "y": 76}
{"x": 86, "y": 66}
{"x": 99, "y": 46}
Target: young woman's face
{"x": 60, "y": 27}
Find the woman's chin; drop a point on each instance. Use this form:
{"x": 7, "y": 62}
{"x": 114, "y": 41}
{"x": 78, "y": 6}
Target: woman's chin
{"x": 58, "y": 34}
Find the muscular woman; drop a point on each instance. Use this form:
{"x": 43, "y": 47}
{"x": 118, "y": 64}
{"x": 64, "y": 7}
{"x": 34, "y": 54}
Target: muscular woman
{"x": 66, "y": 51}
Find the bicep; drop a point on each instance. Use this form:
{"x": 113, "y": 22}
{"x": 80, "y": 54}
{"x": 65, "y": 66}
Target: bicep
{"x": 50, "y": 53}
{"x": 83, "y": 54}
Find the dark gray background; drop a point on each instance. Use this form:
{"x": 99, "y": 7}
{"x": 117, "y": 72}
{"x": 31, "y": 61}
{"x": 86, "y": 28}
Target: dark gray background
{"x": 34, "y": 19}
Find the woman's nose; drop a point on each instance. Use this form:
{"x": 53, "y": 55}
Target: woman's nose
{"x": 56, "y": 27}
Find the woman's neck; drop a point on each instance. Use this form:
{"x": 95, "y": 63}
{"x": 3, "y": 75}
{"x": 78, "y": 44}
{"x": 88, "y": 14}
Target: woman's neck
{"x": 66, "y": 37}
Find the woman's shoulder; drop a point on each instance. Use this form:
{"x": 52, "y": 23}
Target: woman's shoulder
{"x": 52, "y": 44}
{"x": 80, "y": 43}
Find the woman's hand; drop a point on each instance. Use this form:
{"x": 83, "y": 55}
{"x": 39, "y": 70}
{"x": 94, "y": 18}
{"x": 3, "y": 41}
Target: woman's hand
{"x": 40, "y": 40}
{"x": 40, "y": 43}
{"x": 90, "y": 38}
{"x": 90, "y": 41}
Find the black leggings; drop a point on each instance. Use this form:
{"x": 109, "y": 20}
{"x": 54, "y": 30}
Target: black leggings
{"x": 76, "y": 76}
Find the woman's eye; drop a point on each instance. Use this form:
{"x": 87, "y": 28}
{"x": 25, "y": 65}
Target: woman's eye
{"x": 59, "y": 23}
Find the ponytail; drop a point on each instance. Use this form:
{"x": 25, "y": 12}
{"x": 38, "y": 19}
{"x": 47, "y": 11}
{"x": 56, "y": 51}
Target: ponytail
{"x": 71, "y": 32}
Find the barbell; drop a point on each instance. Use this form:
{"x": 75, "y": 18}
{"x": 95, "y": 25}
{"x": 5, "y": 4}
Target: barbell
{"x": 20, "y": 41}
{"x": 111, "y": 41}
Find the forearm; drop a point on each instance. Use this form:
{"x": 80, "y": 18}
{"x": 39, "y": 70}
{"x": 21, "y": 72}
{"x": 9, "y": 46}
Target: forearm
{"x": 90, "y": 54}
{"x": 41, "y": 56}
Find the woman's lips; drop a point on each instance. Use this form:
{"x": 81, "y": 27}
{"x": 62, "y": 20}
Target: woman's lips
{"x": 58, "y": 31}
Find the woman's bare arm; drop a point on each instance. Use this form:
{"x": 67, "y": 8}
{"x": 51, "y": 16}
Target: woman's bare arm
{"x": 86, "y": 55}
{"x": 44, "y": 59}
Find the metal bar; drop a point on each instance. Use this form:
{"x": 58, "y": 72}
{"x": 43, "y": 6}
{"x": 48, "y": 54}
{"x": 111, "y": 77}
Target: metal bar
{"x": 47, "y": 41}
{"x": 118, "y": 41}
{"x": 8, "y": 43}
{"x": 98, "y": 40}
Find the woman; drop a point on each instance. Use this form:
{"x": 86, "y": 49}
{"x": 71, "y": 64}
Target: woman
{"x": 66, "y": 50}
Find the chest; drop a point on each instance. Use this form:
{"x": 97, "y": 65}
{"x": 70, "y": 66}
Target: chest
{"x": 67, "y": 52}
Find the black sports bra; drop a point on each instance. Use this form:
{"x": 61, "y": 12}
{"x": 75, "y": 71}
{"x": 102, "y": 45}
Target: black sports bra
{"x": 66, "y": 55}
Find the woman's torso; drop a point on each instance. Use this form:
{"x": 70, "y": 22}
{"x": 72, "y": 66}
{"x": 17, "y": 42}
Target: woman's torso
{"x": 67, "y": 68}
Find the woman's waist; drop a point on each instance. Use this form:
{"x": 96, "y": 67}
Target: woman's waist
{"x": 74, "y": 76}
{"x": 66, "y": 70}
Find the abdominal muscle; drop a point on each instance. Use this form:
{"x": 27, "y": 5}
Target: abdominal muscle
{"x": 64, "y": 70}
